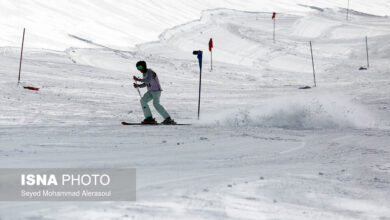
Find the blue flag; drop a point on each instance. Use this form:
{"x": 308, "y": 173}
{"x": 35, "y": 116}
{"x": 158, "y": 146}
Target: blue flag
{"x": 200, "y": 57}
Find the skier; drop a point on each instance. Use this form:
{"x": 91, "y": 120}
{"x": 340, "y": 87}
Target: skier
{"x": 150, "y": 80}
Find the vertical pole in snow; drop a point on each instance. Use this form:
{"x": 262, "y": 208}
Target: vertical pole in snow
{"x": 312, "y": 61}
{"x": 368, "y": 61}
{"x": 348, "y": 10}
{"x": 211, "y": 45}
{"x": 21, "y": 56}
{"x": 200, "y": 89}
{"x": 199, "y": 54}
{"x": 274, "y": 19}
{"x": 211, "y": 60}
{"x": 274, "y": 30}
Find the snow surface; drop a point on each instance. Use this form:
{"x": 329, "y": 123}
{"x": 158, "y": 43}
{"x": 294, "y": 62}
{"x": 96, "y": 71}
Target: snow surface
{"x": 263, "y": 148}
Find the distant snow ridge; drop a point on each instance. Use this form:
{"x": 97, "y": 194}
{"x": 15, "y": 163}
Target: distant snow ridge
{"x": 302, "y": 112}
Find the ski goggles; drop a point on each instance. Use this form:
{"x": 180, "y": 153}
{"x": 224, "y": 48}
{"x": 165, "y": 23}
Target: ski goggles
{"x": 140, "y": 67}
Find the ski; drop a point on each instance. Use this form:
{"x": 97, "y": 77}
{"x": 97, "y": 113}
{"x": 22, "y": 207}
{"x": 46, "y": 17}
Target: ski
{"x": 130, "y": 123}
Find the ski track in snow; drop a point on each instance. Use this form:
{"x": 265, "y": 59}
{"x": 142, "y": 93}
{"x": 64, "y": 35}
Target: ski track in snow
{"x": 263, "y": 149}
{"x": 50, "y": 24}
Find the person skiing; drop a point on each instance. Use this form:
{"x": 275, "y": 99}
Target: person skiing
{"x": 150, "y": 80}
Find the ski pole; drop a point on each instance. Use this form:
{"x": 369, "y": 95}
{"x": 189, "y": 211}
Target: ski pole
{"x": 139, "y": 92}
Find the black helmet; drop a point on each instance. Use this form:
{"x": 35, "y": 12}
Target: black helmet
{"x": 141, "y": 65}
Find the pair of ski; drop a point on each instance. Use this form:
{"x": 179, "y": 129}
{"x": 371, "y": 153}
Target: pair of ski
{"x": 131, "y": 123}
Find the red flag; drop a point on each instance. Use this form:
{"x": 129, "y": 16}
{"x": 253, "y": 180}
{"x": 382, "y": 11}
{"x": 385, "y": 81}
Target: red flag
{"x": 273, "y": 15}
{"x": 31, "y": 88}
{"x": 211, "y": 44}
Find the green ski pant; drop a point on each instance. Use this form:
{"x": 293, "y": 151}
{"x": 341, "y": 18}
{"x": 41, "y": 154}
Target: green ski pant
{"x": 155, "y": 96}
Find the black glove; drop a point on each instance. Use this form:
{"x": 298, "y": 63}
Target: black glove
{"x": 136, "y": 85}
{"x": 136, "y": 78}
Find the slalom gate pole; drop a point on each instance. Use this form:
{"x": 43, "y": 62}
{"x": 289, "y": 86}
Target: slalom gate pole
{"x": 312, "y": 61}
{"x": 368, "y": 60}
{"x": 21, "y": 56}
{"x": 274, "y": 29}
{"x": 199, "y": 55}
{"x": 348, "y": 10}
{"x": 200, "y": 89}
{"x": 211, "y": 60}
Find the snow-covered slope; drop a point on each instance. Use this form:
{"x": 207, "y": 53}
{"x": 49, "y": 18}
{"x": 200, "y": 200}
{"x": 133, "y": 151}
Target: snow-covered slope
{"x": 263, "y": 149}
{"x": 121, "y": 24}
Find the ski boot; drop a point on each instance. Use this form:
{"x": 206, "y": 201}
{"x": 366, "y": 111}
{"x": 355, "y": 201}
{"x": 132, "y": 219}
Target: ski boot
{"x": 168, "y": 121}
{"x": 149, "y": 120}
